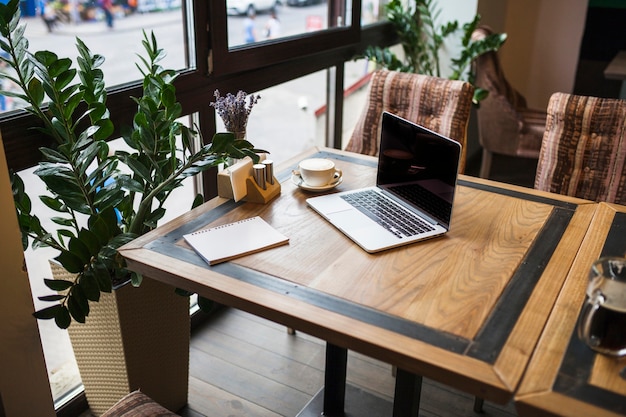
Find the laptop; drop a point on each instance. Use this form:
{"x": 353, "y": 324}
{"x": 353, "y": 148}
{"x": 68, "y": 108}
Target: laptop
{"x": 415, "y": 186}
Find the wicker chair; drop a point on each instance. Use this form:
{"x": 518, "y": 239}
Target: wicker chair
{"x": 583, "y": 153}
{"x": 438, "y": 104}
{"x": 137, "y": 404}
{"x": 506, "y": 126}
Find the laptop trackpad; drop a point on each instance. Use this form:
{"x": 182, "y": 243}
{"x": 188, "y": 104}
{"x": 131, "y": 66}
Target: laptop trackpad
{"x": 350, "y": 217}
{"x": 363, "y": 231}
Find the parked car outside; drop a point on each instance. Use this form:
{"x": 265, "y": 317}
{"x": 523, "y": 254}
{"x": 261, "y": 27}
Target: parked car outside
{"x": 242, "y": 7}
{"x": 302, "y": 2}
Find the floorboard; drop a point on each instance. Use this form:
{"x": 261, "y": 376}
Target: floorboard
{"x": 244, "y": 366}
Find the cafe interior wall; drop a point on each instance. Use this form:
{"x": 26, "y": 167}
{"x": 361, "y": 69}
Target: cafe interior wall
{"x": 540, "y": 56}
{"x": 24, "y": 385}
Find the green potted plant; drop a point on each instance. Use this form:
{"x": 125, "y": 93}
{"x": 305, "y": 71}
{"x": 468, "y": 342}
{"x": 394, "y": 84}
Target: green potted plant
{"x": 99, "y": 200}
{"x": 422, "y": 40}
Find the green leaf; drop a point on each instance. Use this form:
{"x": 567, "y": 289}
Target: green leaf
{"x": 479, "y": 95}
{"x": 153, "y": 218}
{"x": 52, "y": 203}
{"x": 56, "y": 297}
{"x": 89, "y": 285}
{"x": 120, "y": 240}
{"x": 138, "y": 169}
{"x": 70, "y": 262}
{"x": 100, "y": 229}
{"x": 103, "y": 276}
{"x": 80, "y": 250}
{"x": 53, "y": 155}
{"x": 48, "y": 312}
{"x": 168, "y": 95}
{"x": 90, "y": 240}
{"x": 77, "y": 306}
{"x": 135, "y": 279}
{"x": 47, "y": 58}
{"x": 197, "y": 201}
{"x": 59, "y": 67}
{"x": 221, "y": 141}
{"x": 62, "y": 318}
{"x": 58, "y": 284}
{"x": 62, "y": 221}
{"x": 36, "y": 91}
{"x": 106, "y": 129}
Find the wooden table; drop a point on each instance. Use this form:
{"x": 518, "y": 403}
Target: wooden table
{"x": 465, "y": 309}
{"x": 565, "y": 378}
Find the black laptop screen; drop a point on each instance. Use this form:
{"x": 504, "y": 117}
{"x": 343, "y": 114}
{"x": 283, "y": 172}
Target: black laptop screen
{"x": 419, "y": 166}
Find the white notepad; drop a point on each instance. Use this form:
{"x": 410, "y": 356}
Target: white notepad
{"x": 230, "y": 241}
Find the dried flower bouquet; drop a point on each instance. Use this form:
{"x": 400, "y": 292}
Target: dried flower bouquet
{"x": 235, "y": 109}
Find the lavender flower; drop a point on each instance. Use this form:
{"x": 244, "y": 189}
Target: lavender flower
{"x": 234, "y": 110}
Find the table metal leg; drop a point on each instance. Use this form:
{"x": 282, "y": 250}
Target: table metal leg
{"x": 406, "y": 401}
{"x": 335, "y": 380}
{"x": 478, "y": 404}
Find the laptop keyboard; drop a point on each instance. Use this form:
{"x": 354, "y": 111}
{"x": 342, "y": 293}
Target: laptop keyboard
{"x": 384, "y": 212}
{"x": 425, "y": 199}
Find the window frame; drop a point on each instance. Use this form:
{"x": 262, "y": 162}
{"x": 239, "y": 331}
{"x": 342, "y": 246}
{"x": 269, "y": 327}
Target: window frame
{"x": 225, "y": 60}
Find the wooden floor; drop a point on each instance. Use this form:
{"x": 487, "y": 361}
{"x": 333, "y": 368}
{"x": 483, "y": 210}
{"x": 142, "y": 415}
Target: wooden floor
{"x": 243, "y": 366}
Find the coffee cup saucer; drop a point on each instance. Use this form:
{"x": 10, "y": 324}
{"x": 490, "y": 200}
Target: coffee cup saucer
{"x": 298, "y": 181}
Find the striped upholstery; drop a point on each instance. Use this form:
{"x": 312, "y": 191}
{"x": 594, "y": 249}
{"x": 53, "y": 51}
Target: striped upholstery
{"x": 584, "y": 148}
{"x": 137, "y": 404}
{"x": 438, "y": 104}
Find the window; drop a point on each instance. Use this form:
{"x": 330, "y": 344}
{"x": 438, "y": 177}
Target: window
{"x": 334, "y": 25}
{"x": 86, "y": 21}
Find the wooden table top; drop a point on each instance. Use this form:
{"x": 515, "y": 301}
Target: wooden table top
{"x": 565, "y": 377}
{"x": 465, "y": 309}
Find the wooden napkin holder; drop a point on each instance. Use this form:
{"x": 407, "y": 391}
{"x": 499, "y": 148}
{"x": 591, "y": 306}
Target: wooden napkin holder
{"x": 237, "y": 182}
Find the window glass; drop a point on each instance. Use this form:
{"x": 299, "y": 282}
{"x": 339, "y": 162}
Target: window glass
{"x": 303, "y": 29}
{"x": 286, "y": 120}
{"x": 290, "y": 118}
{"x": 356, "y": 88}
{"x": 119, "y": 44}
{"x": 373, "y": 11}
{"x": 271, "y": 21}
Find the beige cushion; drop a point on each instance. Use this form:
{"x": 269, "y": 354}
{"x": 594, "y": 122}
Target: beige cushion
{"x": 137, "y": 404}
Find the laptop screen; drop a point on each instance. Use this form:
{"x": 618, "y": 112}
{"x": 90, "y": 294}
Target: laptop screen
{"x": 418, "y": 166}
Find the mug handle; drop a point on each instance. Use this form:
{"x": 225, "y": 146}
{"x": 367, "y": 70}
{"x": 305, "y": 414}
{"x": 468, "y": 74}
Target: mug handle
{"x": 584, "y": 326}
{"x": 338, "y": 174}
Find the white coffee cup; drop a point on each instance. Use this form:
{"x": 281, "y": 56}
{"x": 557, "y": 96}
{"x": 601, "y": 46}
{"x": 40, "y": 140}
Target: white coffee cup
{"x": 318, "y": 172}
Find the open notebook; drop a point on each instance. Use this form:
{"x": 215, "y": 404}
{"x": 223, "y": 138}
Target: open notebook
{"x": 414, "y": 192}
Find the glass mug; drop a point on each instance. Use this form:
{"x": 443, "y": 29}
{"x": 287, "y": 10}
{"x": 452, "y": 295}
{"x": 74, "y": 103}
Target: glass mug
{"x": 602, "y": 323}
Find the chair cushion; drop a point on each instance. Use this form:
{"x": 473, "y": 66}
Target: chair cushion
{"x": 137, "y": 404}
{"x": 438, "y": 104}
{"x": 583, "y": 153}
